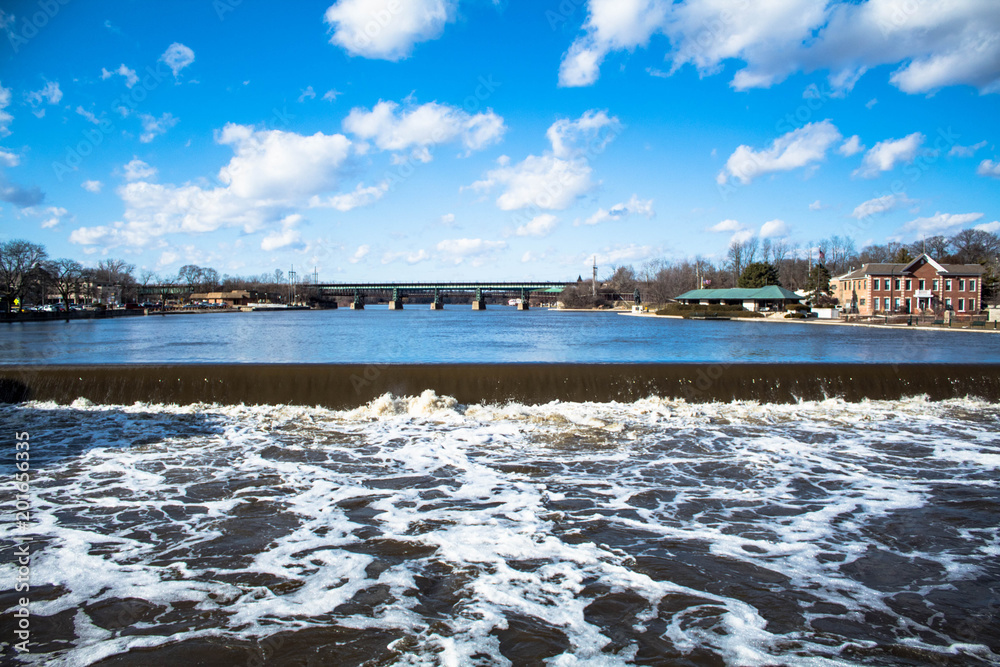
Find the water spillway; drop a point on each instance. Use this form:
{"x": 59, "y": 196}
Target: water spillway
{"x": 341, "y": 386}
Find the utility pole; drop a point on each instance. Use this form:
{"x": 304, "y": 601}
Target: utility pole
{"x": 593, "y": 285}
{"x": 291, "y": 285}
{"x": 315, "y": 275}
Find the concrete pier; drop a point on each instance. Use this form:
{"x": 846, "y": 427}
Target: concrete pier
{"x": 523, "y": 305}
{"x": 357, "y": 306}
{"x": 436, "y": 305}
{"x": 395, "y": 305}
{"x": 479, "y": 304}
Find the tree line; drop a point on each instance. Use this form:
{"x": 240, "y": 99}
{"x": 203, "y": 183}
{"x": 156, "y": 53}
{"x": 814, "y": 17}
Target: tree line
{"x": 29, "y": 275}
{"x": 755, "y": 262}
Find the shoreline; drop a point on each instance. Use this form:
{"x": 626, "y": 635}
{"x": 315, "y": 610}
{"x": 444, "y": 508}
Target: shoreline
{"x": 814, "y": 321}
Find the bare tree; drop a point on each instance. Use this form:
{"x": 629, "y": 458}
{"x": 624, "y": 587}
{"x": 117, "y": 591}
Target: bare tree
{"x": 67, "y": 276}
{"x": 18, "y": 258}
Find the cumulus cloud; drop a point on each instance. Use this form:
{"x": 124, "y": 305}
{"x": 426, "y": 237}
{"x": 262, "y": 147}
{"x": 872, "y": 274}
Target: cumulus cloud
{"x": 879, "y": 205}
{"x": 935, "y": 44}
{"x": 360, "y": 196}
{"x": 540, "y": 225}
{"x": 991, "y": 227}
{"x": 633, "y": 206}
{"x": 386, "y": 29}
{"x": 91, "y": 118}
{"x": 591, "y": 132}
{"x": 474, "y": 250}
{"x": 137, "y": 170}
{"x": 989, "y": 168}
{"x": 553, "y": 180}
{"x": 939, "y": 223}
{"x": 9, "y": 159}
{"x": 131, "y": 78}
{"x": 271, "y": 172}
{"x": 177, "y": 57}
{"x": 885, "y": 155}
{"x": 418, "y": 128}
{"x": 798, "y": 148}
{"x": 965, "y": 151}
{"x": 287, "y": 237}
{"x": 727, "y": 226}
{"x": 817, "y": 206}
{"x": 92, "y": 186}
{"x": 153, "y": 126}
{"x": 610, "y": 25}
{"x": 851, "y": 147}
{"x": 623, "y": 254}
{"x": 18, "y": 195}
{"x": 49, "y": 94}
{"x": 774, "y": 229}
{"x": 360, "y": 254}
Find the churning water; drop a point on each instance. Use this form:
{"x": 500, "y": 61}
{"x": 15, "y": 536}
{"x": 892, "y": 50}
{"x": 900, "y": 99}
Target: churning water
{"x": 417, "y": 531}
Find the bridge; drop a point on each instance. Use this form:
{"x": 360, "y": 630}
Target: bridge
{"x": 478, "y": 291}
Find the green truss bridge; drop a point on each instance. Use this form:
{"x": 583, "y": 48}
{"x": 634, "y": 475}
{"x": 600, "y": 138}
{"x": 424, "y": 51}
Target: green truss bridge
{"x": 478, "y": 291}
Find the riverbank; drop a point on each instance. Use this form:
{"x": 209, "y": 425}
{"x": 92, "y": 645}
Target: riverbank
{"x": 990, "y": 327}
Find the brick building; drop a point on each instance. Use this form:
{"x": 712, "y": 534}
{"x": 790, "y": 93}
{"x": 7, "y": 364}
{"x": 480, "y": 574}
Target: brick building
{"x": 920, "y": 286}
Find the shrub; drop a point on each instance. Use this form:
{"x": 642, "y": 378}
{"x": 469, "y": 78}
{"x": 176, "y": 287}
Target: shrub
{"x": 795, "y": 316}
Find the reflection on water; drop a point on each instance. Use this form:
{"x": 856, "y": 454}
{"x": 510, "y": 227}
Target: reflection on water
{"x": 499, "y": 334}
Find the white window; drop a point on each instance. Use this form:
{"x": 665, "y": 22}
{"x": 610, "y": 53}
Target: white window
{"x": 897, "y": 304}
{"x": 909, "y": 284}
{"x": 922, "y": 283}
{"x": 934, "y": 285}
{"x": 972, "y": 305}
{"x": 947, "y": 285}
{"x": 909, "y": 308}
{"x": 947, "y": 304}
{"x": 897, "y": 283}
{"x": 875, "y": 303}
{"x": 972, "y": 285}
{"x": 961, "y": 305}
{"x": 961, "y": 285}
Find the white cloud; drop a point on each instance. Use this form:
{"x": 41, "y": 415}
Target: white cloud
{"x": 52, "y": 215}
{"x": 991, "y": 227}
{"x": 793, "y": 150}
{"x": 88, "y": 115}
{"x": 965, "y": 151}
{"x": 540, "y": 225}
{"x": 554, "y": 180}
{"x": 935, "y": 44}
{"x": 386, "y": 29}
{"x": 989, "y": 168}
{"x": 131, "y": 78}
{"x": 177, "y": 57}
{"x": 851, "y": 147}
{"x": 625, "y": 254}
{"x": 774, "y": 229}
{"x": 92, "y": 186}
{"x": 307, "y": 94}
{"x": 816, "y": 206}
{"x": 611, "y": 25}
{"x": 448, "y": 219}
{"x": 408, "y": 256}
{"x": 137, "y": 170}
{"x": 361, "y": 196}
{"x": 330, "y": 95}
{"x": 49, "y": 94}
{"x": 542, "y": 181}
{"x": 9, "y": 159}
{"x": 285, "y": 238}
{"x": 939, "y": 223}
{"x": 879, "y": 205}
{"x": 153, "y": 126}
{"x": 459, "y": 250}
{"x": 633, "y": 206}
{"x": 590, "y": 133}
{"x": 530, "y": 257}
{"x": 359, "y": 254}
{"x": 427, "y": 125}
{"x": 727, "y": 226}
{"x": 5, "y": 118}
{"x": 885, "y": 155}
{"x": 270, "y": 173}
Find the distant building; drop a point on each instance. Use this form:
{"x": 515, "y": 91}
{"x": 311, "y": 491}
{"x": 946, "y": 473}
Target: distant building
{"x": 234, "y": 298}
{"x": 755, "y": 299}
{"x": 920, "y": 286}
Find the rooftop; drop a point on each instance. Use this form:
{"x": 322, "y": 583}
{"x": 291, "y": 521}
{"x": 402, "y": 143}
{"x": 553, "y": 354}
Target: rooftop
{"x": 771, "y": 292}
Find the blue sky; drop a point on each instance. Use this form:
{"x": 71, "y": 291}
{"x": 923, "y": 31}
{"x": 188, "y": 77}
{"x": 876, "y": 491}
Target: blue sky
{"x": 472, "y": 139}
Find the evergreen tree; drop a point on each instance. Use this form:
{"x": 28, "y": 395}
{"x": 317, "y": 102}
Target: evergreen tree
{"x": 818, "y": 284}
{"x": 758, "y": 274}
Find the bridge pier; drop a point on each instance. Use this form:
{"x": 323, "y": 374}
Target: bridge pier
{"x": 479, "y": 302}
{"x": 397, "y": 300}
{"x": 437, "y": 304}
{"x": 359, "y": 301}
{"x": 524, "y": 303}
